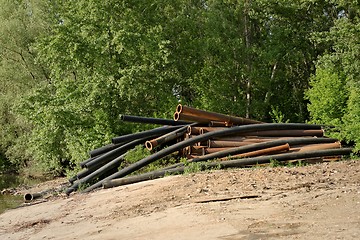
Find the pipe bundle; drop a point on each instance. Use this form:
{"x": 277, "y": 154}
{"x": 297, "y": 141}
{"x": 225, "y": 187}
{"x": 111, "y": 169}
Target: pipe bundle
{"x": 200, "y": 136}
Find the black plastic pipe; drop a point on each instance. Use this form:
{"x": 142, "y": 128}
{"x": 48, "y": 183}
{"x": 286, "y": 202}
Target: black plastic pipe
{"x": 263, "y": 145}
{"x": 256, "y": 146}
{"x": 101, "y": 160}
{"x": 153, "y": 132}
{"x": 166, "y": 151}
{"x": 142, "y": 177}
{"x": 281, "y": 157}
{"x": 228, "y": 164}
{"x": 160, "y": 121}
{"x": 107, "y": 167}
{"x": 103, "y": 149}
{"x": 83, "y": 163}
{"x": 81, "y": 174}
{"x": 32, "y": 196}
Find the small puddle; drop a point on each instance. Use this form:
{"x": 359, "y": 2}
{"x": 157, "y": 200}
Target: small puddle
{"x": 8, "y": 201}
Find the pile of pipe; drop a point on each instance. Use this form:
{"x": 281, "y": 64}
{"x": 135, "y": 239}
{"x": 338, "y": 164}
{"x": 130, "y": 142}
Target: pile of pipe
{"x": 217, "y": 140}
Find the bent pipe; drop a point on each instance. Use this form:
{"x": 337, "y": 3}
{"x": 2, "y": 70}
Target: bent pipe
{"x": 258, "y": 147}
{"x": 142, "y": 177}
{"x": 151, "y": 144}
{"x": 166, "y": 151}
{"x": 160, "y": 121}
{"x": 227, "y": 164}
{"x": 110, "y": 165}
{"x": 153, "y": 132}
{"x": 214, "y": 116}
{"x": 262, "y": 145}
{"x": 116, "y": 152}
{"x": 281, "y": 157}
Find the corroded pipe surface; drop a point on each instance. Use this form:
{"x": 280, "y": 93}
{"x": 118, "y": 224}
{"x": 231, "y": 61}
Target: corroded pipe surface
{"x": 227, "y": 164}
{"x": 215, "y": 116}
{"x": 287, "y": 133}
{"x": 222, "y": 144}
{"x": 190, "y": 118}
{"x": 204, "y": 137}
{"x": 265, "y": 151}
{"x": 166, "y": 138}
{"x": 313, "y": 147}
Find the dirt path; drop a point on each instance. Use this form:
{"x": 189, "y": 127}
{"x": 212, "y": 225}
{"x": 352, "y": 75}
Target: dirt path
{"x": 319, "y": 201}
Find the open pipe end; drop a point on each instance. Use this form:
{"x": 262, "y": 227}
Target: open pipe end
{"x": 176, "y": 116}
{"x": 179, "y": 108}
{"x": 121, "y": 117}
{"x": 28, "y": 197}
{"x": 188, "y": 130}
{"x": 148, "y": 145}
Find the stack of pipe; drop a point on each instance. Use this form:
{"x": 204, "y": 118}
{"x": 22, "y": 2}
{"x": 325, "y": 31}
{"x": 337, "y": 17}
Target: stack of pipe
{"x": 202, "y": 136}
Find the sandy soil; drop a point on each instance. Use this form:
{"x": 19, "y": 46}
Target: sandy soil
{"x": 319, "y": 201}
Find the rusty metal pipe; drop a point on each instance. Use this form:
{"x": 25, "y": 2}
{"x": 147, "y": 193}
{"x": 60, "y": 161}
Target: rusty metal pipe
{"x": 259, "y": 146}
{"x": 215, "y": 116}
{"x": 265, "y": 151}
{"x": 190, "y": 118}
{"x": 313, "y": 147}
{"x": 280, "y": 157}
{"x": 224, "y": 144}
{"x": 204, "y": 137}
{"x": 287, "y": 133}
{"x": 166, "y": 138}
{"x": 226, "y": 164}
{"x": 253, "y": 139}
{"x": 203, "y": 130}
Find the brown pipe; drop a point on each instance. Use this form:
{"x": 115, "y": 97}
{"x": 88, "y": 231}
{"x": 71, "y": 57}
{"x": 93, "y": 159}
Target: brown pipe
{"x": 193, "y": 130}
{"x": 222, "y": 144}
{"x": 314, "y": 147}
{"x": 286, "y": 133}
{"x": 252, "y": 139}
{"x": 219, "y": 124}
{"x": 203, "y": 130}
{"x": 265, "y": 151}
{"x": 198, "y": 150}
{"x": 215, "y": 116}
{"x": 213, "y": 150}
{"x": 190, "y": 118}
{"x": 150, "y": 145}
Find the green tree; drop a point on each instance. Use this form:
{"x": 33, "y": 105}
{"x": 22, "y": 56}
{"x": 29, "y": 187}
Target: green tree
{"x": 338, "y": 71}
{"x": 20, "y": 24}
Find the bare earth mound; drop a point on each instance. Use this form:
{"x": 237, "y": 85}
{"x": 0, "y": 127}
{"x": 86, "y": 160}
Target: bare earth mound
{"x": 319, "y": 201}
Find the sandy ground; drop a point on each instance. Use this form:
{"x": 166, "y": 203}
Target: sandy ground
{"x": 319, "y": 201}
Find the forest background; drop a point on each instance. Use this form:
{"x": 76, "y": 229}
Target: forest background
{"x": 69, "y": 68}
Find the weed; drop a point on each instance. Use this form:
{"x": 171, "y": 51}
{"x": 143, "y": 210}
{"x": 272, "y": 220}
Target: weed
{"x": 274, "y": 163}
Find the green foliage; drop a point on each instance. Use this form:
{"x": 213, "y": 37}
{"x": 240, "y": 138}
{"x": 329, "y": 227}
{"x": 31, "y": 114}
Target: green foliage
{"x": 335, "y": 87}
{"x": 139, "y": 153}
{"x": 328, "y": 96}
{"x": 274, "y": 163}
{"x": 277, "y": 115}
{"x": 69, "y": 68}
